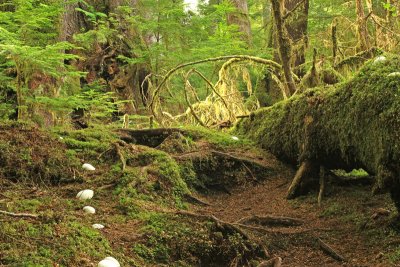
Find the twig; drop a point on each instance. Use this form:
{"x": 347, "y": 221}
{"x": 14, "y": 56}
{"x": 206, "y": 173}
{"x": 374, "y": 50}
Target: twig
{"x": 191, "y": 197}
{"x": 251, "y": 173}
{"x": 12, "y": 214}
{"x": 271, "y": 220}
{"x": 330, "y": 251}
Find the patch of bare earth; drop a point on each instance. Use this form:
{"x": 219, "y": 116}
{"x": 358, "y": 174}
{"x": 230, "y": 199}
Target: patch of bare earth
{"x": 344, "y": 222}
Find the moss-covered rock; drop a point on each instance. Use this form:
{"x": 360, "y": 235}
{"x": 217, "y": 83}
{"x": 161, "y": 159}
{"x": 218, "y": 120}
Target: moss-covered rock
{"x": 352, "y": 125}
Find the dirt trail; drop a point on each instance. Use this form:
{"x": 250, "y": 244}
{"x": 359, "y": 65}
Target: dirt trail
{"x": 344, "y": 222}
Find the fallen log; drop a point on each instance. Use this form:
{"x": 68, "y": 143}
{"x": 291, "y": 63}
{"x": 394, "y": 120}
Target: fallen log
{"x": 351, "y": 125}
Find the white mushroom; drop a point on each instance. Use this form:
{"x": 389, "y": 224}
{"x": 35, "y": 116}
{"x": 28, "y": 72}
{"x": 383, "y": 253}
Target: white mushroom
{"x": 89, "y": 209}
{"x": 235, "y": 138}
{"x": 109, "y": 262}
{"x": 380, "y": 59}
{"x": 85, "y": 194}
{"x": 396, "y": 73}
{"x": 88, "y": 167}
{"x": 97, "y": 226}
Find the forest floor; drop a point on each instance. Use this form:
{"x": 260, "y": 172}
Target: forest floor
{"x": 345, "y": 221}
{"x": 353, "y": 222}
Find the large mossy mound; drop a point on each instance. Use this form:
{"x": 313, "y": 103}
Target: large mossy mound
{"x": 184, "y": 241}
{"x": 352, "y": 125}
{"x": 28, "y": 154}
{"x": 145, "y": 174}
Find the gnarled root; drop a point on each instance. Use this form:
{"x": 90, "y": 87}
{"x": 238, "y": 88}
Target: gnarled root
{"x": 304, "y": 178}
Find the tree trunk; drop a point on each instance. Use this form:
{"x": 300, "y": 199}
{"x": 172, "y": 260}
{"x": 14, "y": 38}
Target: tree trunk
{"x": 362, "y": 30}
{"x": 241, "y": 19}
{"x": 297, "y": 28}
{"x": 338, "y": 128}
{"x": 284, "y": 46}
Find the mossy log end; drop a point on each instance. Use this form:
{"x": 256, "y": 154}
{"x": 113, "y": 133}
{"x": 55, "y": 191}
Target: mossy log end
{"x": 352, "y": 125}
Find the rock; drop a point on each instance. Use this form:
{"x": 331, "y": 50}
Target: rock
{"x": 97, "y": 226}
{"x": 85, "y": 194}
{"x": 88, "y": 167}
{"x": 109, "y": 262}
{"x": 89, "y": 209}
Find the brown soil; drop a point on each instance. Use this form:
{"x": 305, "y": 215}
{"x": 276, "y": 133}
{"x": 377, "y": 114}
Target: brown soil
{"x": 343, "y": 222}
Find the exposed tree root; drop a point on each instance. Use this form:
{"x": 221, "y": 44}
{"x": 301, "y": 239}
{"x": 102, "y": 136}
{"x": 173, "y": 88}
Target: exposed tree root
{"x": 220, "y": 224}
{"x": 271, "y": 221}
{"x": 330, "y": 251}
{"x": 298, "y": 185}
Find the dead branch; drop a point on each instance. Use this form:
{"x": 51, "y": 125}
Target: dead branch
{"x": 271, "y": 220}
{"x": 19, "y": 215}
{"x": 192, "y": 111}
{"x": 212, "y": 87}
{"x": 330, "y": 251}
{"x": 196, "y": 200}
{"x": 243, "y": 57}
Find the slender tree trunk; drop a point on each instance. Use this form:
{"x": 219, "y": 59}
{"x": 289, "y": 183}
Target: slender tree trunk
{"x": 297, "y": 28}
{"x": 284, "y": 45}
{"x": 241, "y": 19}
{"x": 362, "y": 30}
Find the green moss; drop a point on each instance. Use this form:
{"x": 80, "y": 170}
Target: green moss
{"x": 28, "y": 154}
{"x": 352, "y": 125}
{"x": 217, "y": 138}
{"x": 150, "y": 175}
{"x": 177, "y": 241}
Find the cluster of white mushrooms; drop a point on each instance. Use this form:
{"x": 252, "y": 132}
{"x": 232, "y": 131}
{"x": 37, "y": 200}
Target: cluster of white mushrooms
{"x": 86, "y": 195}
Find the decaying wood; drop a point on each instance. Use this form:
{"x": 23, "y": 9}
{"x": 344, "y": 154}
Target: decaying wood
{"x": 271, "y": 220}
{"x": 330, "y": 251}
{"x": 19, "y": 215}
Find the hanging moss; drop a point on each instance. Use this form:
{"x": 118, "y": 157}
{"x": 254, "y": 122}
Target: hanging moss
{"x": 352, "y": 125}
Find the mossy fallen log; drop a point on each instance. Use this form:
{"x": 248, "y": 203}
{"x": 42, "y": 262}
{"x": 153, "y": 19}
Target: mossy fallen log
{"x": 352, "y": 125}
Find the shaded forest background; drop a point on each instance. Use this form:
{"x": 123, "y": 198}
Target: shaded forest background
{"x": 63, "y": 61}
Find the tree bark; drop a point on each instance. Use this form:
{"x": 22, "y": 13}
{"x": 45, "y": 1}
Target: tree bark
{"x": 362, "y": 30}
{"x": 284, "y": 46}
{"x": 241, "y": 19}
